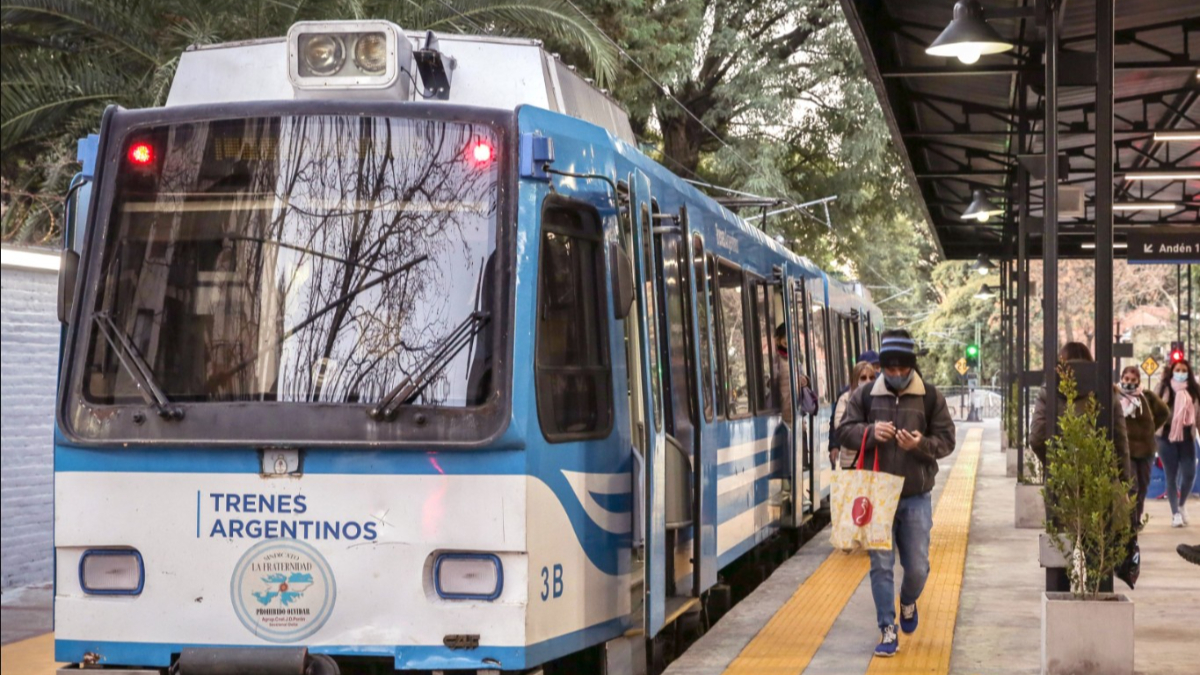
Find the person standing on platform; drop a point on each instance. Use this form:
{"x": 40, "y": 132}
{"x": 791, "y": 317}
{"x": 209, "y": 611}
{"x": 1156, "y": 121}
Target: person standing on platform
{"x": 870, "y": 356}
{"x": 1144, "y": 412}
{"x": 1041, "y": 430}
{"x": 904, "y": 420}
{"x": 1177, "y": 441}
{"x": 864, "y": 374}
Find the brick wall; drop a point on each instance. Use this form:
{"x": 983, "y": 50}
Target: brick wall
{"x": 29, "y": 331}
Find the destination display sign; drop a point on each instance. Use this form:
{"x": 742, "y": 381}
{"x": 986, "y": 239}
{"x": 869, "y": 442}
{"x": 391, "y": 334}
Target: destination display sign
{"x": 1165, "y": 245}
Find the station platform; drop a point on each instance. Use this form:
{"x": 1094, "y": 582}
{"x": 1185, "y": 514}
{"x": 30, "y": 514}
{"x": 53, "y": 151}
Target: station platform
{"x": 981, "y": 609}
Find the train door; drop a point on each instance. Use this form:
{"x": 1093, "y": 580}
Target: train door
{"x": 679, "y": 386}
{"x": 704, "y": 501}
{"x": 799, "y": 348}
{"x": 653, "y": 432}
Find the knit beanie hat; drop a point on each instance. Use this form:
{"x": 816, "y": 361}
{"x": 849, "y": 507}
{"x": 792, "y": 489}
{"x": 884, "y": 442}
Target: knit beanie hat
{"x": 898, "y": 352}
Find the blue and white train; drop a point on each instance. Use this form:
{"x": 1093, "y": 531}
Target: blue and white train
{"x": 391, "y": 352}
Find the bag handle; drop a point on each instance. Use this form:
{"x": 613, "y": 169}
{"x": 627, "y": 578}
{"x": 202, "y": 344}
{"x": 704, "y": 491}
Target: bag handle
{"x": 863, "y": 450}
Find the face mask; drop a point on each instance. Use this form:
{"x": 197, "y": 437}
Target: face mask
{"x": 898, "y": 382}
{"x": 1181, "y": 377}
{"x": 1129, "y": 386}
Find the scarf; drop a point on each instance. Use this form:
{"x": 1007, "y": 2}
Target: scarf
{"x": 1131, "y": 403}
{"x": 1184, "y": 413}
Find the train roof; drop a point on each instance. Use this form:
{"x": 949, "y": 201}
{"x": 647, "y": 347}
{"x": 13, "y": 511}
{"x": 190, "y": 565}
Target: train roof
{"x": 480, "y": 70}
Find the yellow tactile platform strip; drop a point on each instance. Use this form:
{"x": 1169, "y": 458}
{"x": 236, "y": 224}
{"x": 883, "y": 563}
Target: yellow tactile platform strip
{"x": 787, "y": 644}
{"x": 928, "y": 650}
{"x": 34, "y": 656}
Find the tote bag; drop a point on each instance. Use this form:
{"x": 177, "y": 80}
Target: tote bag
{"x": 863, "y": 505}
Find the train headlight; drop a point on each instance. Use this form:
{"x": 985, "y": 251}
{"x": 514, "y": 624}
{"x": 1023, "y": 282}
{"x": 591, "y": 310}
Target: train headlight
{"x": 340, "y": 55}
{"x": 468, "y": 576}
{"x": 321, "y": 55}
{"x": 370, "y": 53}
{"x": 111, "y": 571}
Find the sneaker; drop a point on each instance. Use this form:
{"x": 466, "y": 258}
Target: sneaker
{"x": 1183, "y": 512}
{"x": 908, "y": 618}
{"x": 1177, "y": 520}
{"x": 889, "y": 644}
{"x": 1189, "y": 553}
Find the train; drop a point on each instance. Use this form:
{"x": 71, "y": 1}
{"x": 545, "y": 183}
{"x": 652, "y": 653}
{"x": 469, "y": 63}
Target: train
{"x": 388, "y": 351}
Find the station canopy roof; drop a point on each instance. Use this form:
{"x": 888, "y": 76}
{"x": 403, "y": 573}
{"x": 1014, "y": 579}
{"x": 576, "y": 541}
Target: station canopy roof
{"x": 956, "y": 125}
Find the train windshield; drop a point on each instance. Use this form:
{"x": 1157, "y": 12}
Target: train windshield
{"x": 298, "y": 259}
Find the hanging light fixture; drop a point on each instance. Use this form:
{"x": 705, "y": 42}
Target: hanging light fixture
{"x": 985, "y": 292}
{"x": 968, "y": 36}
{"x": 980, "y": 208}
{"x": 983, "y": 265}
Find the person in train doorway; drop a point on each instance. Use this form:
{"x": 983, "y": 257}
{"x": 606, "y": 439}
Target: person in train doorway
{"x": 871, "y": 357}
{"x": 905, "y": 420}
{"x": 781, "y": 388}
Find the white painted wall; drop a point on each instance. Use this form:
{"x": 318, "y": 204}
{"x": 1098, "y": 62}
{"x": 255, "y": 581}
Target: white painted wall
{"x": 29, "y": 331}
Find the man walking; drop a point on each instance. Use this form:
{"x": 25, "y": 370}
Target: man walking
{"x": 905, "y": 420}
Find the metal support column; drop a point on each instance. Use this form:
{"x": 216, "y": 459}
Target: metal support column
{"x": 1050, "y": 224}
{"x": 1022, "y": 277}
{"x": 1104, "y": 208}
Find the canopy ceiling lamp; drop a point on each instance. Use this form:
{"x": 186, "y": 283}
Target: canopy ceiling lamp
{"x": 980, "y": 208}
{"x": 985, "y": 292}
{"x": 1145, "y": 206}
{"x": 983, "y": 265}
{"x": 968, "y": 36}
{"x": 1170, "y": 136}
{"x": 1165, "y": 175}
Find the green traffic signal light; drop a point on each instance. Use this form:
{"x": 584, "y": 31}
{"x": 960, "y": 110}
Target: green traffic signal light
{"x": 972, "y": 350}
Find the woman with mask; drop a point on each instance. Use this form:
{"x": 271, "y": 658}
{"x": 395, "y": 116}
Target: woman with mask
{"x": 1144, "y": 412}
{"x": 1177, "y": 439}
{"x": 864, "y": 373}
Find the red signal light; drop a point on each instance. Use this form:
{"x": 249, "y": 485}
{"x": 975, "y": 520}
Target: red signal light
{"x": 481, "y": 153}
{"x": 1176, "y": 356}
{"x": 141, "y": 153}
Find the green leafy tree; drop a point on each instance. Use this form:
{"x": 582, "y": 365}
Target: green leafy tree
{"x": 950, "y": 326}
{"x": 772, "y": 97}
{"x": 1088, "y": 506}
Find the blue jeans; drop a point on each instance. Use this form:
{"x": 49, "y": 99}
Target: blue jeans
{"x": 910, "y": 536}
{"x": 1179, "y": 463}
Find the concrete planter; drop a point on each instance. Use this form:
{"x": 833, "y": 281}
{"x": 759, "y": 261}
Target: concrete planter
{"x": 1087, "y": 637}
{"x": 1030, "y": 507}
{"x": 1013, "y": 457}
{"x": 1048, "y": 555}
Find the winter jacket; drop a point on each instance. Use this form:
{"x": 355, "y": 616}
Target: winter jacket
{"x": 1169, "y": 401}
{"x": 1140, "y": 428}
{"x": 1040, "y": 432}
{"x": 907, "y": 410}
{"x": 783, "y": 387}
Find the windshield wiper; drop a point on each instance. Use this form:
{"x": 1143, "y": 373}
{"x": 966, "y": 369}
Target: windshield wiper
{"x": 137, "y": 368}
{"x": 407, "y": 390}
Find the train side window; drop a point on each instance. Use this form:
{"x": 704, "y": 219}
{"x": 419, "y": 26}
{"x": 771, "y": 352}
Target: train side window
{"x": 703, "y": 289}
{"x": 718, "y": 334}
{"x": 733, "y": 325}
{"x": 820, "y": 353}
{"x": 765, "y": 393}
{"x": 572, "y": 373}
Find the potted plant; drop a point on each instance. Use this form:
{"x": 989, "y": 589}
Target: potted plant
{"x": 1089, "y": 522}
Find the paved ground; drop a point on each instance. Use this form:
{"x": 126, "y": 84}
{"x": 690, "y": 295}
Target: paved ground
{"x": 998, "y": 629}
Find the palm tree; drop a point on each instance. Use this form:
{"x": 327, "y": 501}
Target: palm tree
{"x": 63, "y": 61}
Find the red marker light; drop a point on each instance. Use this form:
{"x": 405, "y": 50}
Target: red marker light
{"x": 481, "y": 152}
{"x": 1176, "y": 356}
{"x": 141, "y": 153}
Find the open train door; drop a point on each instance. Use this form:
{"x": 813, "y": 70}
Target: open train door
{"x": 801, "y": 466}
{"x": 653, "y": 435}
